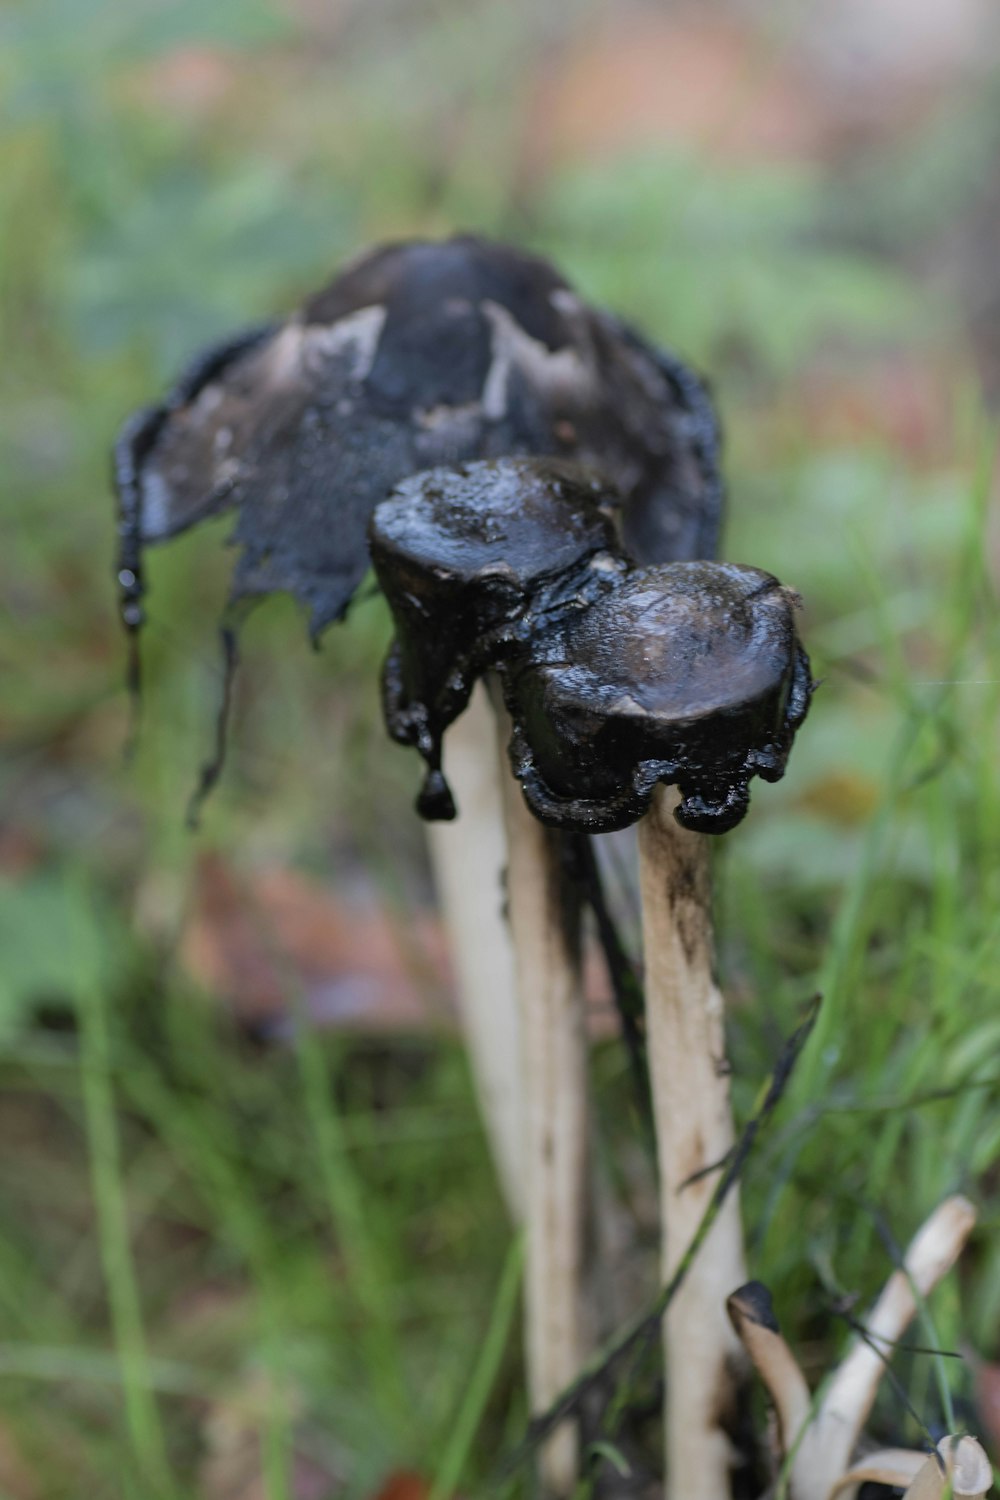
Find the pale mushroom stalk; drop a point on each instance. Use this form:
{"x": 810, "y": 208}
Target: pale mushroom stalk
{"x": 513, "y": 925}
{"x": 545, "y": 927}
{"x": 897, "y": 1467}
{"x": 469, "y": 859}
{"x": 694, "y": 1130}
{"x": 959, "y": 1468}
{"x": 463, "y": 557}
{"x": 751, "y": 1312}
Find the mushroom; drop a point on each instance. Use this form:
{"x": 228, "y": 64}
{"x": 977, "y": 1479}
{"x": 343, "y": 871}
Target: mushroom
{"x": 619, "y": 681}
{"x": 659, "y": 703}
{"x": 688, "y": 674}
{"x": 817, "y": 1437}
{"x": 471, "y": 560}
{"x": 418, "y": 354}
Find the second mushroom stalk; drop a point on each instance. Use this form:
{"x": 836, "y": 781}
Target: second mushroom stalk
{"x": 632, "y": 694}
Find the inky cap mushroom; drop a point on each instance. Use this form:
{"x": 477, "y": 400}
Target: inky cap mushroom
{"x": 464, "y": 557}
{"x": 690, "y": 674}
{"x": 616, "y": 677}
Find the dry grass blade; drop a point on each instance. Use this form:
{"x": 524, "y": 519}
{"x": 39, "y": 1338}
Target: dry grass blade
{"x": 891, "y": 1466}
{"x": 751, "y": 1313}
{"x": 824, "y": 1452}
{"x": 959, "y": 1468}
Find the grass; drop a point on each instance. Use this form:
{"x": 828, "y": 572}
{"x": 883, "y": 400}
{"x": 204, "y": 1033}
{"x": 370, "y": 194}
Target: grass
{"x": 220, "y": 1260}
{"x": 142, "y": 1418}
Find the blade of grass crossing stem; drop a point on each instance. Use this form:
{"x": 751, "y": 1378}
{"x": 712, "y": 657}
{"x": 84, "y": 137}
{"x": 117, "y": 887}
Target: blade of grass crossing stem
{"x": 938, "y": 1362}
{"x": 611, "y": 1455}
{"x": 142, "y": 1416}
{"x": 481, "y": 1381}
{"x": 767, "y": 1101}
{"x": 627, "y": 1349}
{"x": 364, "y": 1263}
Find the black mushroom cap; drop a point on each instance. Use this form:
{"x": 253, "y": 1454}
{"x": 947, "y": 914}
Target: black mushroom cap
{"x": 690, "y": 674}
{"x": 615, "y": 677}
{"x": 417, "y": 355}
{"x": 465, "y": 557}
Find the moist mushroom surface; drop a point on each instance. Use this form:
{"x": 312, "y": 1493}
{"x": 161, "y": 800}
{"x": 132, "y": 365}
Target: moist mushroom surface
{"x": 616, "y": 678}
{"x": 466, "y": 558}
{"x": 691, "y": 674}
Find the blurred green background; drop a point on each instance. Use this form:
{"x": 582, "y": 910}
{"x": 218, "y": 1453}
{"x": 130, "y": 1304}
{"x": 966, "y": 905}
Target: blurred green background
{"x": 242, "y": 1257}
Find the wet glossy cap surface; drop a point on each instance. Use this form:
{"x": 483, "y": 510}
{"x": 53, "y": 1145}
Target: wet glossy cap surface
{"x": 464, "y": 556}
{"x": 522, "y": 519}
{"x": 690, "y": 674}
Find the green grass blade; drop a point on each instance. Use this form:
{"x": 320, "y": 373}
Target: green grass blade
{"x": 481, "y": 1381}
{"x": 142, "y": 1416}
{"x": 362, "y": 1253}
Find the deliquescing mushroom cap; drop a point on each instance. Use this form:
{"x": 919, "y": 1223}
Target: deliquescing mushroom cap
{"x": 417, "y": 355}
{"x": 465, "y": 557}
{"x": 616, "y": 677}
{"x": 689, "y": 673}
{"x": 517, "y": 520}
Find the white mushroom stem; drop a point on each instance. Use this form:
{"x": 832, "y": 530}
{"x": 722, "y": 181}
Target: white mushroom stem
{"x": 469, "y": 858}
{"x": 828, "y": 1443}
{"x": 694, "y": 1131}
{"x": 544, "y": 921}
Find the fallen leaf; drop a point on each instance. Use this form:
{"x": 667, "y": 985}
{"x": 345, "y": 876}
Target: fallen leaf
{"x": 190, "y": 82}
{"x": 256, "y": 936}
{"x": 404, "y": 1485}
{"x": 842, "y": 78}
{"x": 260, "y": 937}
{"x": 893, "y": 398}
